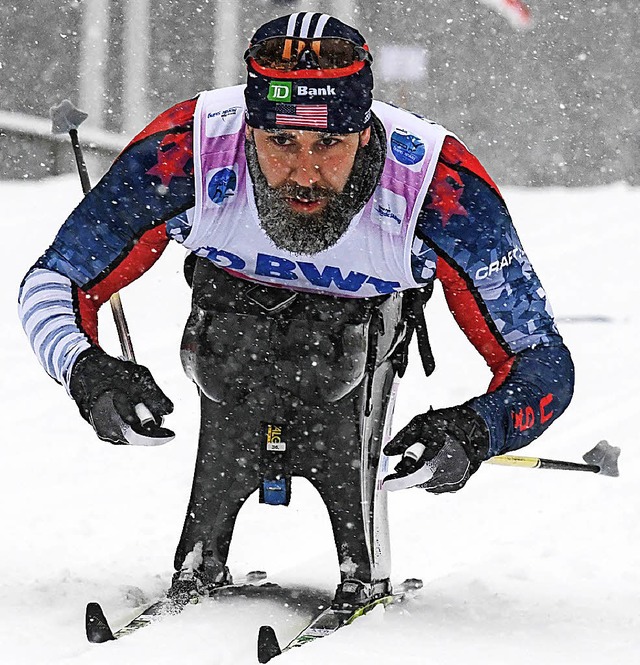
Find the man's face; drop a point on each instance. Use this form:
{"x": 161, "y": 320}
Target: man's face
{"x": 308, "y": 185}
{"x": 307, "y": 167}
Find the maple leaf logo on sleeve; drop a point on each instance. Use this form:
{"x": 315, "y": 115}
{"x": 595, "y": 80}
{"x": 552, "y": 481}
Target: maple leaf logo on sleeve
{"x": 445, "y": 192}
{"x": 175, "y": 158}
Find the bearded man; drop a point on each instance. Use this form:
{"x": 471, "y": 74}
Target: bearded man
{"x": 316, "y": 220}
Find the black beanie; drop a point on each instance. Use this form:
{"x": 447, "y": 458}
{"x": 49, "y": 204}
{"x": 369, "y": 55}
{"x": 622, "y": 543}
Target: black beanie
{"x": 331, "y": 100}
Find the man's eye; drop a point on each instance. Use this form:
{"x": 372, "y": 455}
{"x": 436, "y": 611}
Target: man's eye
{"x": 329, "y": 141}
{"x": 281, "y": 140}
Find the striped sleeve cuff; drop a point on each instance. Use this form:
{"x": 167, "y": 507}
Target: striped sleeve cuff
{"x": 50, "y": 320}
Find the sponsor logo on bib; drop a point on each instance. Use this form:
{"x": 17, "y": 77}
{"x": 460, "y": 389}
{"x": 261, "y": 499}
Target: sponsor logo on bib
{"x": 222, "y": 185}
{"x": 407, "y": 148}
{"x": 280, "y": 270}
{"x": 389, "y": 210}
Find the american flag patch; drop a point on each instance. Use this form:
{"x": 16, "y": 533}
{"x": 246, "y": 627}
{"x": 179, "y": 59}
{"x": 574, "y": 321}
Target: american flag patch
{"x": 302, "y": 115}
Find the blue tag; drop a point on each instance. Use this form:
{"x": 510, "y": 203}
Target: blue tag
{"x": 275, "y": 492}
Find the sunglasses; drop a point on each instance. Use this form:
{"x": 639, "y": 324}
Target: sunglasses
{"x": 287, "y": 54}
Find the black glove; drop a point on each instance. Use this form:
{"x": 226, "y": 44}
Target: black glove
{"x": 113, "y": 396}
{"x": 440, "y": 449}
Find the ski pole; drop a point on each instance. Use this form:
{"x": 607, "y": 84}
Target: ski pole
{"x": 603, "y": 459}
{"x": 66, "y": 118}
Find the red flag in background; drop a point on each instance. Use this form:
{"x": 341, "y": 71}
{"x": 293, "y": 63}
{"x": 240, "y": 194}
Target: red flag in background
{"x": 515, "y": 11}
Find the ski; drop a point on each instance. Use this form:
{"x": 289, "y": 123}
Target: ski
{"x": 329, "y": 621}
{"x": 98, "y": 629}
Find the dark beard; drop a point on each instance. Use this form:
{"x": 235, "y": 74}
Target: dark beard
{"x": 313, "y": 233}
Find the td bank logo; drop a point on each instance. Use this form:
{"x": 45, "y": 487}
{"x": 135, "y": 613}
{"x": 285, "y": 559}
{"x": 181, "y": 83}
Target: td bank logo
{"x": 279, "y": 91}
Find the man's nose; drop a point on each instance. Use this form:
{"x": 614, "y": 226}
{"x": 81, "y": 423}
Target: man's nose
{"x": 306, "y": 169}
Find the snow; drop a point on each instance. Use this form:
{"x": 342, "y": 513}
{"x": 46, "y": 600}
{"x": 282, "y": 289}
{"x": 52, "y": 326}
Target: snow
{"x": 522, "y": 566}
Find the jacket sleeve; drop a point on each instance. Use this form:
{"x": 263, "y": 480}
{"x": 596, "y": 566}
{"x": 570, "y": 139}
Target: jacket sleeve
{"x": 116, "y": 233}
{"x": 466, "y": 236}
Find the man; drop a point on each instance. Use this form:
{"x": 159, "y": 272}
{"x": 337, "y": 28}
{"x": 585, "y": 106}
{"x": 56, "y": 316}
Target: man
{"x": 317, "y": 220}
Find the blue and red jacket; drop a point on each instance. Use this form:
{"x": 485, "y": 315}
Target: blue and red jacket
{"x": 119, "y": 231}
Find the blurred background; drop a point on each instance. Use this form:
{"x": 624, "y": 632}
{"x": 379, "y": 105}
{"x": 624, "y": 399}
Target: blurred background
{"x": 547, "y": 99}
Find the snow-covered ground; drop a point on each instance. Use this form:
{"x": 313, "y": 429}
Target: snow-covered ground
{"x": 523, "y": 566}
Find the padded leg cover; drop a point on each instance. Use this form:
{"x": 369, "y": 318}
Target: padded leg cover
{"x": 321, "y": 369}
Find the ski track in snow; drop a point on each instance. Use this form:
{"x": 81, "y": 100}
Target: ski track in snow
{"x": 522, "y": 566}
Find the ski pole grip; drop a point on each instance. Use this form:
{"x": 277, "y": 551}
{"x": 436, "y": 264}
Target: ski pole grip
{"x": 408, "y": 463}
{"x": 414, "y": 452}
{"x": 144, "y": 414}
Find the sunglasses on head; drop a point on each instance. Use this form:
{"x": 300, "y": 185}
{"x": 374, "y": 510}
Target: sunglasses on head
{"x": 294, "y": 53}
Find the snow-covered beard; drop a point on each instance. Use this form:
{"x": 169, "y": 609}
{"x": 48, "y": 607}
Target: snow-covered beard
{"x": 308, "y": 234}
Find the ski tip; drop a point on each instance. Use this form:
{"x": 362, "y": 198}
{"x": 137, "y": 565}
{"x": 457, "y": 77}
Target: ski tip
{"x": 268, "y": 646}
{"x": 412, "y": 584}
{"x": 96, "y": 625}
{"x": 256, "y": 576}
